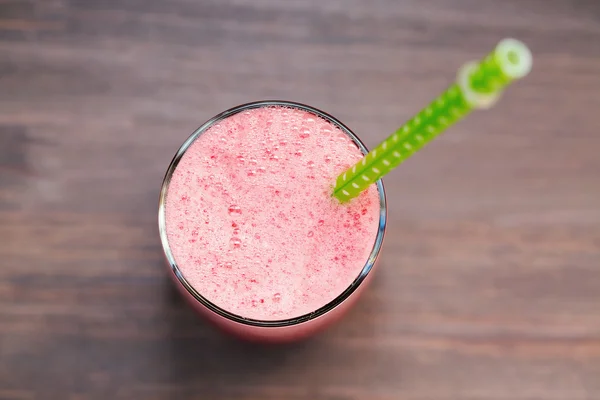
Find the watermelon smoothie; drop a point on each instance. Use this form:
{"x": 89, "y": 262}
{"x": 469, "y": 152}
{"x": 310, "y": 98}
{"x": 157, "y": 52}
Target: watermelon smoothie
{"x": 251, "y": 233}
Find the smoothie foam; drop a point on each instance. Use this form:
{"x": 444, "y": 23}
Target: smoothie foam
{"x": 250, "y": 219}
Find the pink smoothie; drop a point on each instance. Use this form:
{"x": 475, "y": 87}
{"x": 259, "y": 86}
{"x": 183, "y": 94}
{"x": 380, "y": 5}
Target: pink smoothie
{"x": 250, "y": 219}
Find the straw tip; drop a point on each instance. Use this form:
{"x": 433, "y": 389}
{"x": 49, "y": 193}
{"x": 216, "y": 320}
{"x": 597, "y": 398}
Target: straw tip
{"x": 514, "y": 58}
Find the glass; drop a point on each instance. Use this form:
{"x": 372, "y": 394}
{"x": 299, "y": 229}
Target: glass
{"x": 281, "y": 330}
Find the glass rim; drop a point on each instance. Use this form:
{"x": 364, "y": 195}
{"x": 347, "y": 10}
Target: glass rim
{"x": 330, "y": 306}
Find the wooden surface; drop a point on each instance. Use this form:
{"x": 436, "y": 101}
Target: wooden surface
{"x": 489, "y": 287}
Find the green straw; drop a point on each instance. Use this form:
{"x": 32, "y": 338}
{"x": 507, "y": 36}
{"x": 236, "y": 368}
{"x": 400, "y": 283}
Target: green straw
{"x": 478, "y": 85}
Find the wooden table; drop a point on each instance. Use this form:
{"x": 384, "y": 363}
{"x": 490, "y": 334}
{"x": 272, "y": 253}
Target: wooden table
{"x": 489, "y": 287}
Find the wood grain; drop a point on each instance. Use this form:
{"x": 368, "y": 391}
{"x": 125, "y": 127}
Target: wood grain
{"x": 489, "y": 287}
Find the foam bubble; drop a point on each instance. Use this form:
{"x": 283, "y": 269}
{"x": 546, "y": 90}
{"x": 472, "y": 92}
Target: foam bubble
{"x": 234, "y": 209}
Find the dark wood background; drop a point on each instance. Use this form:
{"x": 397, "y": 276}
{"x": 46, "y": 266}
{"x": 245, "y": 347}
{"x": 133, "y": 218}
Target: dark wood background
{"x": 489, "y": 287}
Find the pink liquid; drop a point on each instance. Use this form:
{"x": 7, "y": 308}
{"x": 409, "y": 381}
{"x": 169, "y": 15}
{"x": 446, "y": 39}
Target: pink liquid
{"x": 250, "y": 219}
